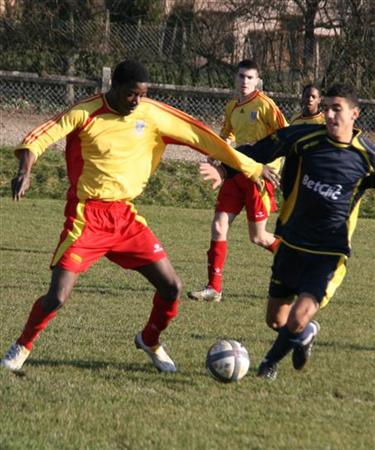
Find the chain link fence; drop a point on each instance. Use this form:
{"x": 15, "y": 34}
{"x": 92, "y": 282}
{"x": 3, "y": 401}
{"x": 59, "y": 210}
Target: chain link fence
{"x": 28, "y": 99}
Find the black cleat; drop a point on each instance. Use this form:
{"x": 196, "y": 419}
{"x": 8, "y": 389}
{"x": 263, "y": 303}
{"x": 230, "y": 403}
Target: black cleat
{"x": 302, "y": 352}
{"x": 267, "y": 370}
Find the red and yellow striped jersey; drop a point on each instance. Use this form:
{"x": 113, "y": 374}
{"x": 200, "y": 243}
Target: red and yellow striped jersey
{"x": 300, "y": 119}
{"x": 251, "y": 120}
{"x": 111, "y": 157}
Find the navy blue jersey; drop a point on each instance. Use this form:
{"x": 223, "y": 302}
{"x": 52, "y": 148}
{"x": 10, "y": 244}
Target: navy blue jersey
{"x": 322, "y": 184}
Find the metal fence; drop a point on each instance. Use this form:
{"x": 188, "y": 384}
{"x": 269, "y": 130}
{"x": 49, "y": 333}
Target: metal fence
{"x": 27, "y": 99}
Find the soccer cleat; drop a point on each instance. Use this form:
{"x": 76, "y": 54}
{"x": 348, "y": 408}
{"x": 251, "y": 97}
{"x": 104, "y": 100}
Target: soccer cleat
{"x": 158, "y": 355}
{"x": 207, "y": 294}
{"x": 302, "y": 351}
{"x": 15, "y": 357}
{"x": 267, "y": 370}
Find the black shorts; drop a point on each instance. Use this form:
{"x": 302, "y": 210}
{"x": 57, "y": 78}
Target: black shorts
{"x": 295, "y": 271}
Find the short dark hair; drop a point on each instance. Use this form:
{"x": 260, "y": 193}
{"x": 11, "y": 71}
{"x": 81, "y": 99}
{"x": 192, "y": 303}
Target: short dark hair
{"x": 343, "y": 90}
{"x": 311, "y": 86}
{"x": 129, "y": 71}
{"x": 247, "y": 64}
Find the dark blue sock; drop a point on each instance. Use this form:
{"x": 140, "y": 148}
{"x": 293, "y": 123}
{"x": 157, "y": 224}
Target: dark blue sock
{"x": 304, "y": 335}
{"x": 281, "y": 347}
{"x": 286, "y": 340}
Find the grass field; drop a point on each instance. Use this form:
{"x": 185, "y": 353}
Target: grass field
{"x": 86, "y": 387}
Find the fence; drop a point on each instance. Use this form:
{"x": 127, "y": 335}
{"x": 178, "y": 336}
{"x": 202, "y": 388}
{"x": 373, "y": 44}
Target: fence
{"x": 27, "y": 99}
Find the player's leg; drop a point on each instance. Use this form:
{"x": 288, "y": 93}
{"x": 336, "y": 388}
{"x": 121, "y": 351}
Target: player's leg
{"x": 229, "y": 204}
{"x": 278, "y": 309}
{"x": 162, "y": 275}
{"x": 259, "y": 204}
{"x": 260, "y": 236}
{"x": 139, "y": 249}
{"x": 77, "y": 250}
{"x": 42, "y": 312}
{"x": 216, "y": 257}
{"x": 296, "y": 333}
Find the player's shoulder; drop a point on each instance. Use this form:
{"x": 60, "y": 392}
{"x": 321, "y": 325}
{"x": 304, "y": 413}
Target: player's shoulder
{"x": 89, "y": 104}
{"x": 363, "y": 141}
{"x": 266, "y": 100}
{"x": 303, "y": 131}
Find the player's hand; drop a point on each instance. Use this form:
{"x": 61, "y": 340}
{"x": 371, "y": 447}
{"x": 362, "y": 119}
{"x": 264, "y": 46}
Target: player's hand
{"x": 271, "y": 175}
{"x": 212, "y": 173}
{"x": 20, "y": 184}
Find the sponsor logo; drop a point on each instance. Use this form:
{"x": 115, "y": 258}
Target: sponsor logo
{"x": 76, "y": 258}
{"x": 158, "y": 248}
{"x": 331, "y": 191}
{"x": 139, "y": 127}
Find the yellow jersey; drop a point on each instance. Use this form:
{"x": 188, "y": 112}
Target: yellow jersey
{"x": 300, "y": 119}
{"x": 110, "y": 157}
{"x": 251, "y": 120}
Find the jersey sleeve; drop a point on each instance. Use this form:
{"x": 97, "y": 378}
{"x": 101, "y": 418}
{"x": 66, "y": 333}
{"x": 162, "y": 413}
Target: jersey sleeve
{"x": 276, "y": 145}
{"x": 227, "y": 131}
{"x": 39, "y": 139}
{"x": 177, "y": 127}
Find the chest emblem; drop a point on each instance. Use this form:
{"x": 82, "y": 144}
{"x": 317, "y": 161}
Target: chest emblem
{"x": 139, "y": 127}
{"x": 253, "y": 116}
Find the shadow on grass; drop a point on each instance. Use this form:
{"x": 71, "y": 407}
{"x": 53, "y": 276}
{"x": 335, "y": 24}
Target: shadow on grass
{"x": 345, "y": 346}
{"x": 25, "y": 250}
{"x": 130, "y": 368}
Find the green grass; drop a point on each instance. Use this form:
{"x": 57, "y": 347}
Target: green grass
{"x": 86, "y": 387}
{"x": 176, "y": 183}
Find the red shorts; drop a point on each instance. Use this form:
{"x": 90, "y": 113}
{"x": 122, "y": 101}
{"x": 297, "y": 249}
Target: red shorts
{"x": 94, "y": 229}
{"x": 239, "y": 191}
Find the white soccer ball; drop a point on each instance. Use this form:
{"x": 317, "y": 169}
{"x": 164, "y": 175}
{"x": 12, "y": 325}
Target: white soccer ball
{"x": 227, "y": 361}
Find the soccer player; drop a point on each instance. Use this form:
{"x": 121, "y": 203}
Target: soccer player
{"x": 114, "y": 143}
{"x": 248, "y": 118}
{"x": 310, "y": 104}
{"x": 327, "y": 169}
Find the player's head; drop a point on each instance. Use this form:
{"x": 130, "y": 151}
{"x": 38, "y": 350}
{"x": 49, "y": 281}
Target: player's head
{"x": 341, "y": 109}
{"x": 311, "y": 99}
{"x": 247, "y": 77}
{"x": 129, "y": 85}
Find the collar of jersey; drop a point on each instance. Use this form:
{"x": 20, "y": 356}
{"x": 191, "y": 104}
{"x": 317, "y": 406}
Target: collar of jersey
{"x": 354, "y": 141}
{"x": 248, "y": 99}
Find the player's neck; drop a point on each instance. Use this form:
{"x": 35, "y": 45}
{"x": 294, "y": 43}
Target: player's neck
{"x": 307, "y": 113}
{"x": 343, "y": 138}
{"x": 243, "y": 98}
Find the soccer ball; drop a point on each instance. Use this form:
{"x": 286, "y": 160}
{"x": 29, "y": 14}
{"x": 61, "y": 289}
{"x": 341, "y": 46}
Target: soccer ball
{"x": 227, "y": 361}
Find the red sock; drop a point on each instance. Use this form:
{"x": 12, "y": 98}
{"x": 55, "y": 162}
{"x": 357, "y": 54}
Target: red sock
{"x": 274, "y": 245}
{"x": 162, "y": 313}
{"x": 216, "y": 260}
{"x": 37, "y": 322}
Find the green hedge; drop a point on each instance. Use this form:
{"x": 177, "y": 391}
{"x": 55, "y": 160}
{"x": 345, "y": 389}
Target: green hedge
{"x": 176, "y": 183}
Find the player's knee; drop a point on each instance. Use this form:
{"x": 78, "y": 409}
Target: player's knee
{"x": 296, "y": 324}
{"x": 274, "y": 323}
{"x": 52, "y": 302}
{"x": 219, "y": 230}
{"x": 171, "y": 290}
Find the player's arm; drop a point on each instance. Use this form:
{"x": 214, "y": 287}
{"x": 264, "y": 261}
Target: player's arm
{"x": 276, "y": 145}
{"x": 21, "y": 182}
{"x": 35, "y": 143}
{"x": 179, "y": 128}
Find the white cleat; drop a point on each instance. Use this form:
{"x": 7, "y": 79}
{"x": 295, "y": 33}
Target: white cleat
{"x": 207, "y": 294}
{"x": 158, "y": 355}
{"x": 15, "y": 357}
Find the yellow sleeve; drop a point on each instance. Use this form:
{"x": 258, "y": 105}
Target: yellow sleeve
{"x": 177, "y": 127}
{"x": 51, "y": 131}
{"x": 226, "y": 131}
